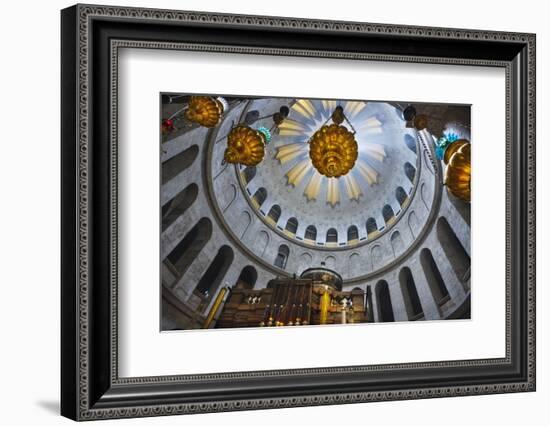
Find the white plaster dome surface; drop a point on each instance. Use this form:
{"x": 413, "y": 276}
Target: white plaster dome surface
{"x": 303, "y": 195}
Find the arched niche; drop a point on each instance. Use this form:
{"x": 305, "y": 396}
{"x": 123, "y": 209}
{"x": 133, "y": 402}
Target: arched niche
{"x": 178, "y": 205}
{"x": 214, "y": 274}
{"x": 410, "y": 294}
{"x": 410, "y": 142}
{"x": 353, "y": 234}
{"x": 387, "y": 213}
{"x": 401, "y": 195}
{"x": 249, "y": 173}
{"x": 247, "y": 278}
{"x": 291, "y": 225}
{"x": 438, "y": 289}
{"x": 274, "y": 213}
{"x": 259, "y": 197}
{"x": 371, "y": 226}
{"x": 383, "y": 302}
{"x": 186, "y": 251}
{"x": 311, "y": 233}
{"x": 282, "y": 256}
{"x": 410, "y": 171}
{"x": 454, "y": 250}
{"x": 397, "y": 244}
{"x": 178, "y": 163}
{"x": 332, "y": 236}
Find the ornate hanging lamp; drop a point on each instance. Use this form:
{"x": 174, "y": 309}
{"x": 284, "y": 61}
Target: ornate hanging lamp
{"x": 458, "y": 170}
{"x": 246, "y": 145}
{"x": 452, "y": 148}
{"x": 205, "y": 110}
{"x": 333, "y": 149}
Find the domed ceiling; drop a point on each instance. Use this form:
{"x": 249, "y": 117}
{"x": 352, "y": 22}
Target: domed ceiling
{"x": 287, "y": 187}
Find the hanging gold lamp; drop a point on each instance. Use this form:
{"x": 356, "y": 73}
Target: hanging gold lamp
{"x": 421, "y": 122}
{"x": 333, "y": 148}
{"x": 205, "y": 110}
{"x": 246, "y": 145}
{"x": 452, "y": 148}
{"x": 458, "y": 172}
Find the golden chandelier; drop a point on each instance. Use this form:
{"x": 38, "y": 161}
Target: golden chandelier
{"x": 246, "y": 145}
{"x": 205, "y": 110}
{"x": 333, "y": 149}
{"x": 458, "y": 170}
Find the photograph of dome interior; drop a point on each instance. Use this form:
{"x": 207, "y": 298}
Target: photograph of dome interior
{"x": 299, "y": 212}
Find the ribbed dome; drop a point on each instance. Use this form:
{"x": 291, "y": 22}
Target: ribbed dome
{"x": 286, "y": 186}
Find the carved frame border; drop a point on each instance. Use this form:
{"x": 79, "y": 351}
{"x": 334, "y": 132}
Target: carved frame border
{"x": 77, "y": 347}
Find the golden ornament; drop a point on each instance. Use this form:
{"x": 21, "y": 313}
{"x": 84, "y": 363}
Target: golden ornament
{"x": 333, "y": 150}
{"x": 245, "y": 146}
{"x": 452, "y": 148}
{"x": 458, "y": 173}
{"x": 205, "y": 110}
{"x": 421, "y": 122}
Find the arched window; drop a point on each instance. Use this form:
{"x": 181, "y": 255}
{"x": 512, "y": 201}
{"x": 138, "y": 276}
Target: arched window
{"x": 274, "y": 213}
{"x": 383, "y": 301}
{"x": 243, "y": 223}
{"x": 376, "y": 256}
{"x": 292, "y": 225}
{"x": 458, "y": 257}
{"x": 410, "y": 171}
{"x": 247, "y": 278}
{"x": 397, "y": 243}
{"x": 332, "y": 236}
{"x": 282, "y": 256}
{"x": 213, "y": 276}
{"x": 410, "y": 295}
{"x": 259, "y": 196}
{"x": 410, "y": 142}
{"x": 371, "y": 225}
{"x": 178, "y": 205}
{"x": 433, "y": 276}
{"x": 368, "y": 305}
{"x": 353, "y": 233}
{"x": 178, "y": 163}
{"x": 387, "y": 213}
{"x": 400, "y": 195}
{"x": 311, "y": 233}
{"x": 329, "y": 262}
{"x": 185, "y": 252}
{"x": 248, "y": 173}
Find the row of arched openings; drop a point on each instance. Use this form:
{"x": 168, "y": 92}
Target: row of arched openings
{"x": 181, "y": 258}
{"x": 407, "y": 286}
{"x": 459, "y": 261}
{"x": 372, "y": 228}
{"x": 310, "y": 233}
{"x": 188, "y": 249}
{"x": 179, "y": 204}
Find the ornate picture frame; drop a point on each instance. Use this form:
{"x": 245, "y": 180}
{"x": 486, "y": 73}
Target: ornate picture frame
{"x": 91, "y": 37}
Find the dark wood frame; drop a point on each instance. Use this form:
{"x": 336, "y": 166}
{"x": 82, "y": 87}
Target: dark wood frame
{"x": 90, "y": 386}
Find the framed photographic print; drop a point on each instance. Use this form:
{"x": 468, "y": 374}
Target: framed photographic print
{"x": 264, "y": 212}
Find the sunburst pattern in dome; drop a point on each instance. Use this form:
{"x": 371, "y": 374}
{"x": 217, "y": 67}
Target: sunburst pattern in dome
{"x": 305, "y": 118}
